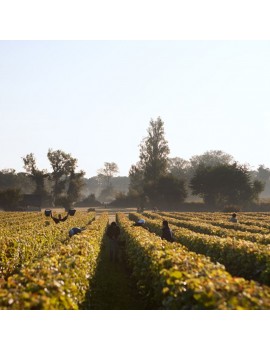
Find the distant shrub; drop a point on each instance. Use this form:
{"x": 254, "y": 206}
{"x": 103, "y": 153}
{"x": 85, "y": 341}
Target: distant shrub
{"x": 231, "y": 208}
{"x": 9, "y": 199}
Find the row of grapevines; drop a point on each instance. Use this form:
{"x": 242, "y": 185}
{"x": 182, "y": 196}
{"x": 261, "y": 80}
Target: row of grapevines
{"x": 257, "y": 214}
{"x": 244, "y": 218}
{"x": 17, "y": 214}
{"x": 20, "y": 219}
{"x": 241, "y": 258}
{"x": 251, "y": 215}
{"x": 171, "y": 277}
{"x": 223, "y": 223}
{"x": 19, "y": 246}
{"x": 24, "y": 221}
{"x": 204, "y": 228}
{"x": 59, "y": 280}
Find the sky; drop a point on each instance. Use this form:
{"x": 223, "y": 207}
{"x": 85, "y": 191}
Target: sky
{"x": 94, "y": 99}
{"x": 205, "y": 72}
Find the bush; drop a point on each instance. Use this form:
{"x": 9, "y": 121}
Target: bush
{"x": 9, "y": 199}
{"x": 90, "y": 200}
{"x": 231, "y": 208}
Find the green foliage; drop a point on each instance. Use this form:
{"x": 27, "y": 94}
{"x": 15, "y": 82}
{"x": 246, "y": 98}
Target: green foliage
{"x": 106, "y": 173}
{"x": 60, "y": 279}
{"x": 231, "y": 208}
{"x": 67, "y": 183}
{"x": 41, "y": 268}
{"x": 212, "y": 158}
{"x": 26, "y": 236}
{"x": 38, "y": 176}
{"x": 171, "y": 277}
{"x": 75, "y": 185}
{"x": 154, "y": 152}
{"x": 132, "y": 199}
{"x": 223, "y": 185}
{"x": 167, "y": 193}
{"x": 107, "y": 194}
{"x": 154, "y": 160}
{"x": 9, "y": 199}
{"x": 150, "y": 178}
{"x": 179, "y": 168}
{"x": 90, "y": 200}
{"x": 263, "y": 174}
{"x": 9, "y": 179}
{"x": 241, "y": 257}
{"x": 136, "y": 177}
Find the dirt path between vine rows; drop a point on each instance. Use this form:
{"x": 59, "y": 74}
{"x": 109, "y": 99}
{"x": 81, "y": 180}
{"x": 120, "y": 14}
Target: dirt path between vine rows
{"x": 112, "y": 287}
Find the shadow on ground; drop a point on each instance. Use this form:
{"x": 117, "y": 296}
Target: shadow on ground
{"x": 112, "y": 288}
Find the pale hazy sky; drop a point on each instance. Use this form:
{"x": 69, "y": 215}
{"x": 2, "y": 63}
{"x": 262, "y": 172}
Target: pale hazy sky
{"x": 94, "y": 99}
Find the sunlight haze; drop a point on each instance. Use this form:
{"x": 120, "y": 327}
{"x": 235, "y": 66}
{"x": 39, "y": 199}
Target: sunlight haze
{"x": 95, "y": 99}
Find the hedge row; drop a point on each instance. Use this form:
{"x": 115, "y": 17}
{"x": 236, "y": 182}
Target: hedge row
{"x": 241, "y": 258}
{"x": 205, "y": 228}
{"x": 256, "y": 219}
{"x": 22, "y": 220}
{"x": 252, "y": 227}
{"x": 60, "y": 279}
{"x": 171, "y": 277}
{"x": 19, "y": 246}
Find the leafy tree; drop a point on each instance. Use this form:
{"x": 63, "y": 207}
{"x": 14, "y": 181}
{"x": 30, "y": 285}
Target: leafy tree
{"x": 154, "y": 151}
{"x": 74, "y": 188}
{"x": 136, "y": 179}
{"x": 153, "y": 156}
{"x": 90, "y": 200}
{"x": 107, "y": 194}
{"x": 109, "y": 170}
{"x": 211, "y": 158}
{"x": 94, "y": 185}
{"x": 125, "y": 200}
{"x": 225, "y": 184}
{"x": 179, "y": 168}
{"x": 67, "y": 183}
{"x": 167, "y": 193}
{"x": 151, "y": 181}
{"x": 9, "y": 179}
{"x": 105, "y": 176}
{"x": 38, "y": 176}
{"x": 263, "y": 174}
{"x": 9, "y": 199}
{"x": 258, "y": 187}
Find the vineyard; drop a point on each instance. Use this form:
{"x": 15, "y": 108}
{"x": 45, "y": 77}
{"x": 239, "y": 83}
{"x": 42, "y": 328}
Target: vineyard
{"x": 212, "y": 263}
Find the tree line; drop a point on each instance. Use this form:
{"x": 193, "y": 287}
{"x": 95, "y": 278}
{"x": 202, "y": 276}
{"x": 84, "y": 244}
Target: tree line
{"x": 60, "y": 187}
{"x": 156, "y": 180}
{"x": 221, "y": 182}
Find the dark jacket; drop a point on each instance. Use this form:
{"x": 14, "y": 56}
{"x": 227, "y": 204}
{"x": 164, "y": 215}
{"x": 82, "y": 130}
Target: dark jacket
{"x": 74, "y": 231}
{"x": 59, "y": 219}
{"x": 113, "y": 232}
{"x": 167, "y": 234}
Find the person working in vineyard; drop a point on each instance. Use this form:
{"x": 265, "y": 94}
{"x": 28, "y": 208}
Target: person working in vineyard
{"x": 233, "y": 219}
{"x": 59, "y": 218}
{"x": 113, "y": 233}
{"x": 75, "y": 230}
{"x": 141, "y": 223}
{"x": 167, "y": 233}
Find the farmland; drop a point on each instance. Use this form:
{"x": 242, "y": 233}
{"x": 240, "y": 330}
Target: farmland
{"x": 212, "y": 264}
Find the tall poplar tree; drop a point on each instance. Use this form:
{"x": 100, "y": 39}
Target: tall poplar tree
{"x": 149, "y": 178}
{"x": 154, "y": 151}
